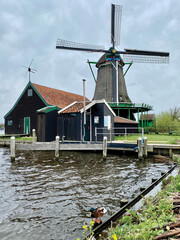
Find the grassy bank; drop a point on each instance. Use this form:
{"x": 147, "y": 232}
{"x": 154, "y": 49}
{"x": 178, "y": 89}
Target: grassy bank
{"x": 156, "y": 211}
{"x": 159, "y": 138}
{"x": 17, "y": 138}
{"x": 154, "y": 138}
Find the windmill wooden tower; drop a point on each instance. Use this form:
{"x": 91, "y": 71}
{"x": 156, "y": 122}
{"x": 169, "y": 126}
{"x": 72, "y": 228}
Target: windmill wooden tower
{"x": 110, "y": 83}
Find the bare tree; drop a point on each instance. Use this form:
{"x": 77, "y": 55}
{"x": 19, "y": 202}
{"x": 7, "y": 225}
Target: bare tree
{"x": 175, "y": 113}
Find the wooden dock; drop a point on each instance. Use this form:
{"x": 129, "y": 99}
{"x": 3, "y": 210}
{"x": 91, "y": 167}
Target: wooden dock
{"x": 50, "y": 146}
{"x": 161, "y": 149}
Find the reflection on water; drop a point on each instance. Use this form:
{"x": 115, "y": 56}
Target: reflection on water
{"x": 46, "y": 199}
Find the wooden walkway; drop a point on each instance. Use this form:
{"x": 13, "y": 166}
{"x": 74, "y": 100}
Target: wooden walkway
{"x": 159, "y": 149}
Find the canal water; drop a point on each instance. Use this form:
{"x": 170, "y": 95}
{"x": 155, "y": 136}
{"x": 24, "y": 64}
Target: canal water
{"x": 46, "y": 199}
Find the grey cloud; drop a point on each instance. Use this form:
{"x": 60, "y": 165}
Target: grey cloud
{"x": 29, "y": 30}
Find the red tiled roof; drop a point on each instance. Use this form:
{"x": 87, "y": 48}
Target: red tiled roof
{"x": 74, "y": 108}
{"x": 57, "y": 97}
{"x": 123, "y": 120}
{"x": 150, "y": 117}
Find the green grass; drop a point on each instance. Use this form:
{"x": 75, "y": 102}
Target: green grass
{"x": 156, "y": 138}
{"x": 176, "y": 158}
{"x": 161, "y": 138}
{"x": 17, "y": 138}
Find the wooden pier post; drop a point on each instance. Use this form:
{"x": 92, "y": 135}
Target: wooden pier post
{"x": 57, "y": 148}
{"x": 140, "y": 149}
{"x": 12, "y": 148}
{"x": 145, "y": 147}
{"x": 104, "y": 147}
{"x": 170, "y": 152}
{"x": 34, "y": 135}
{"x": 123, "y": 202}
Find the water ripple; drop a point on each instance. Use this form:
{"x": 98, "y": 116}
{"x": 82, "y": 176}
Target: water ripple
{"x": 46, "y": 199}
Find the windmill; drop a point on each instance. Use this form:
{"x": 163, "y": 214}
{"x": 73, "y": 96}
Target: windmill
{"x": 30, "y": 70}
{"x": 110, "y": 83}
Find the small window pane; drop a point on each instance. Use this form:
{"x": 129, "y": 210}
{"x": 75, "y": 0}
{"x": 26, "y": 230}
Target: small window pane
{"x": 107, "y": 122}
{"x": 30, "y": 92}
{"x": 96, "y": 119}
{"x": 10, "y": 122}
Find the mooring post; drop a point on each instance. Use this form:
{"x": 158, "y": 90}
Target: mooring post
{"x": 95, "y": 134}
{"x": 125, "y": 133}
{"x": 145, "y": 147}
{"x": 170, "y": 152}
{"x": 12, "y": 148}
{"x": 140, "y": 149}
{"x": 111, "y": 133}
{"x": 57, "y": 148}
{"x": 104, "y": 147}
{"x": 123, "y": 202}
{"x": 34, "y": 135}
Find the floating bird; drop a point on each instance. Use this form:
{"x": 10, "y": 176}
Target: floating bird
{"x": 97, "y": 213}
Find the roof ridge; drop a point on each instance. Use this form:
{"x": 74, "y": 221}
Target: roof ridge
{"x": 34, "y": 84}
{"x": 130, "y": 120}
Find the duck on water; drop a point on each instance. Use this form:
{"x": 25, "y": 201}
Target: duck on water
{"x": 96, "y": 214}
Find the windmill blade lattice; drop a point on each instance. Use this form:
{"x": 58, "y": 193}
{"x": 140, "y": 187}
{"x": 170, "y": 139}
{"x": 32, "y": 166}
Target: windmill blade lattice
{"x": 143, "y": 56}
{"x": 116, "y": 13}
{"x": 68, "y": 45}
{"x": 145, "y": 59}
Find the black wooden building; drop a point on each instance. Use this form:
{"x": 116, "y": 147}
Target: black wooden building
{"x": 99, "y": 121}
{"x": 23, "y": 116}
{"x": 47, "y": 123}
{"x": 54, "y": 112}
{"x": 124, "y": 126}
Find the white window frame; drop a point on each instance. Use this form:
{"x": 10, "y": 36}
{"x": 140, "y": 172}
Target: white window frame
{"x": 107, "y": 122}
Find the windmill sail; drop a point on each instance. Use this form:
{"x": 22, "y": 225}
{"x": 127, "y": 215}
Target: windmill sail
{"x": 68, "y": 45}
{"x": 144, "y": 56}
{"x": 110, "y": 83}
{"x": 116, "y": 13}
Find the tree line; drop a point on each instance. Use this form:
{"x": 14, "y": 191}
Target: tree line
{"x": 168, "y": 121}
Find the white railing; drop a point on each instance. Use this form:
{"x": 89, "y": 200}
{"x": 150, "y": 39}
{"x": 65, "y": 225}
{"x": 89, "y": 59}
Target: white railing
{"x": 117, "y": 131}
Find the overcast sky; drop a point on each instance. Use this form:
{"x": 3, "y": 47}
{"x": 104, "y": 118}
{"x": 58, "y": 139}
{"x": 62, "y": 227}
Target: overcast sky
{"x": 29, "y": 30}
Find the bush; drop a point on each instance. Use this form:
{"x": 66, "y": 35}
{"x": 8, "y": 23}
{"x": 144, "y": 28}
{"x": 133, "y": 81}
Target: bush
{"x": 168, "y": 121}
{"x": 140, "y": 225}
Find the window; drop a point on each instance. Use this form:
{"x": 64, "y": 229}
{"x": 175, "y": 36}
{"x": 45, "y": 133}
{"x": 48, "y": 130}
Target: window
{"x": 30, "y": 92}
{"x": 107, "y": 122}
{"x": 96, "y": 119}
{"x": 9, "y": 122}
